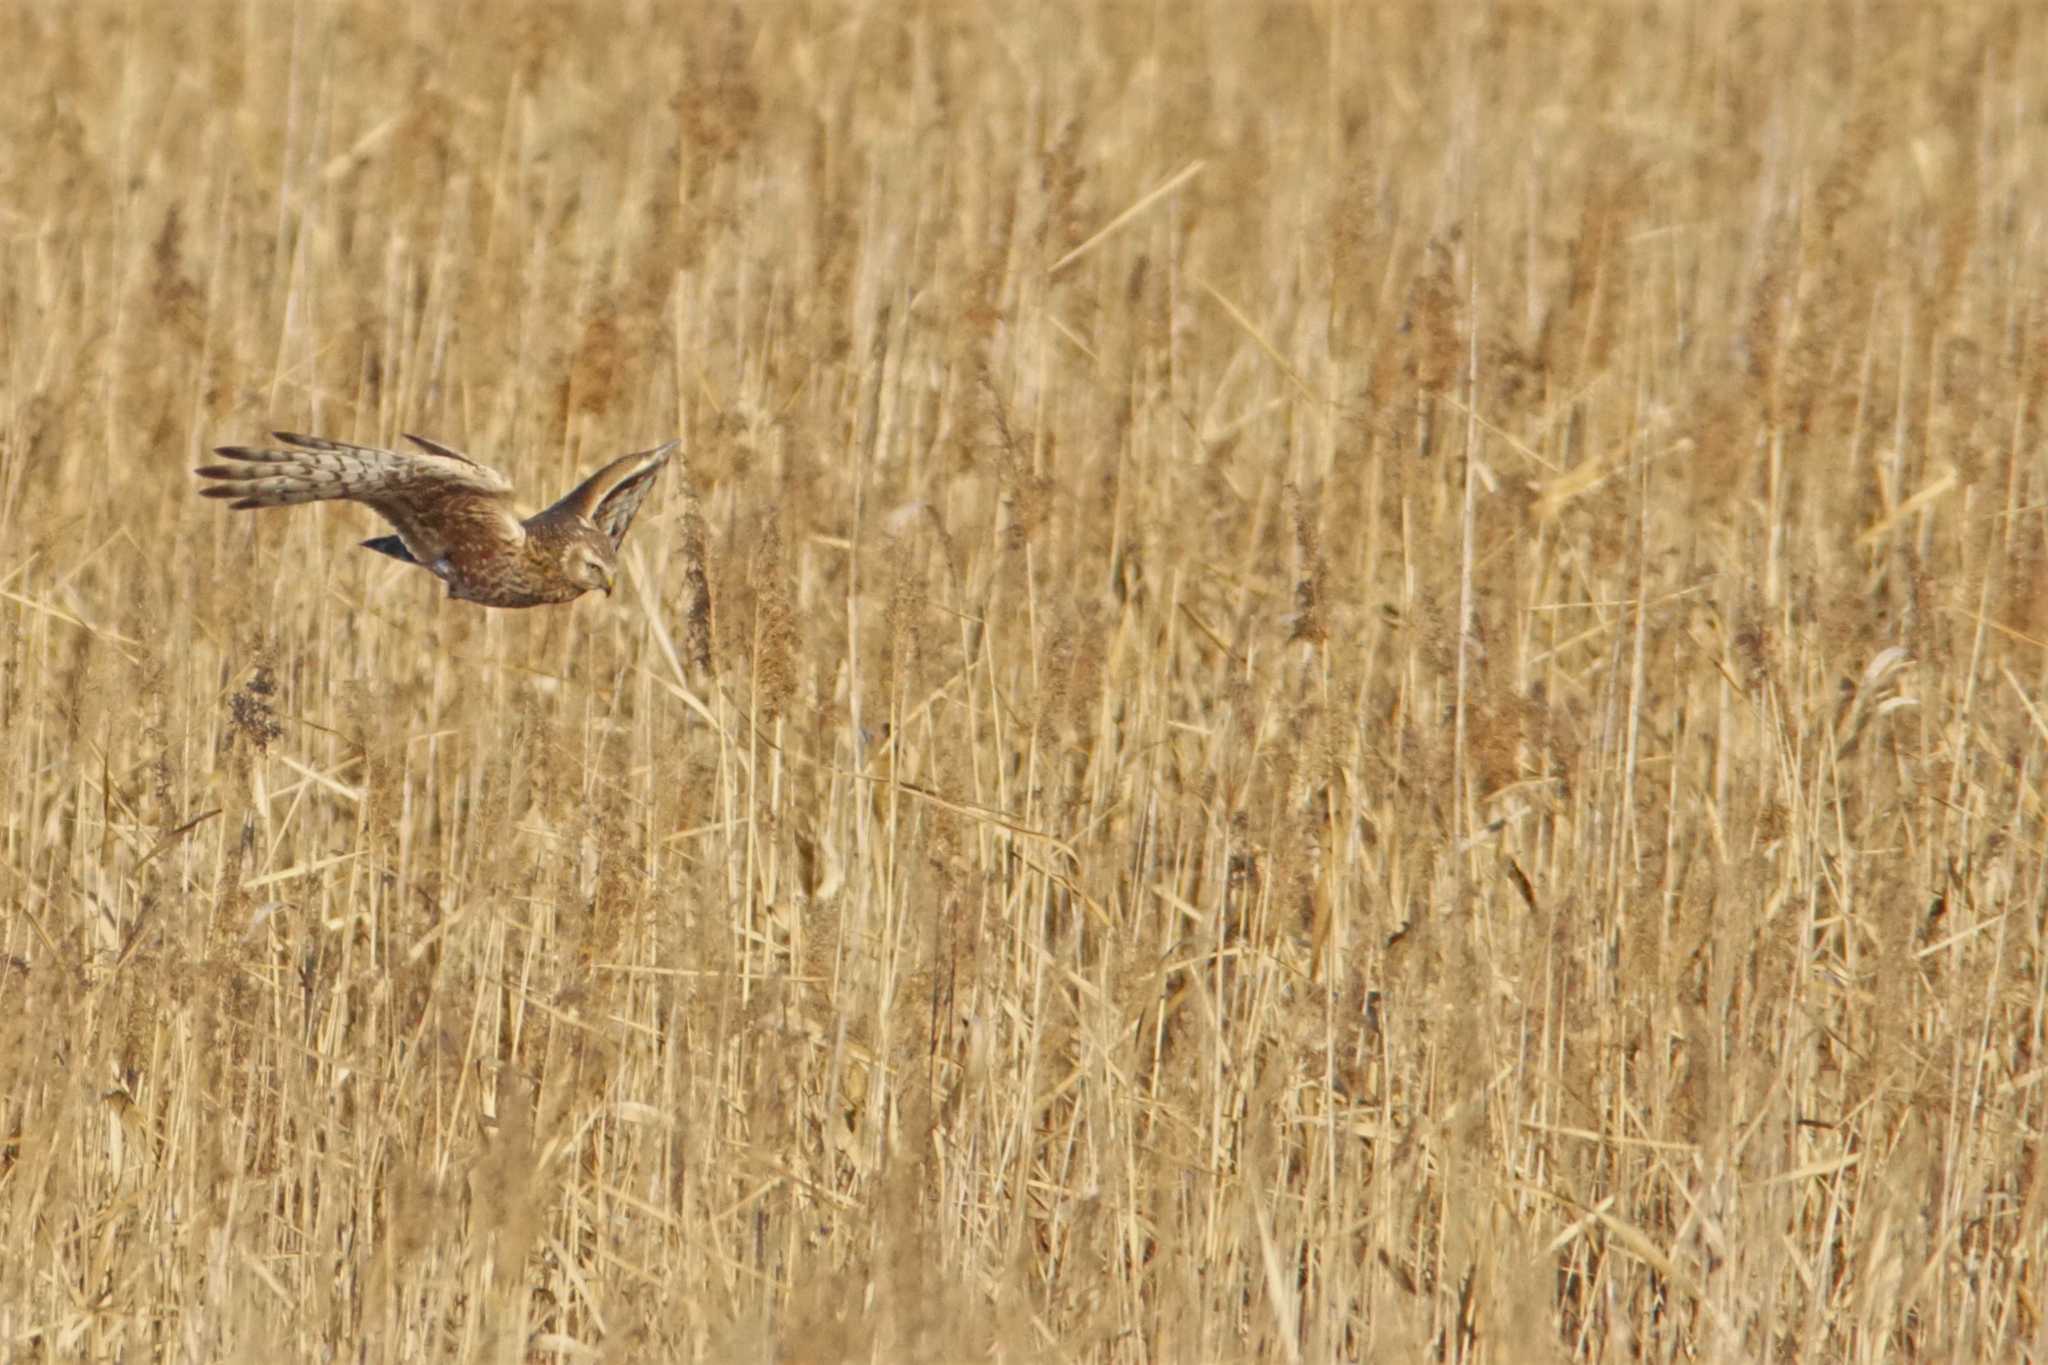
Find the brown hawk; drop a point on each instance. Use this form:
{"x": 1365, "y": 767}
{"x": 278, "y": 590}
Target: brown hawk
{"x": 454, "y": 516}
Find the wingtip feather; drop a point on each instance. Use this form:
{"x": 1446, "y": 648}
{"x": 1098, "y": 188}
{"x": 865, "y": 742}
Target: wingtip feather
{"x": 433, "y": 447}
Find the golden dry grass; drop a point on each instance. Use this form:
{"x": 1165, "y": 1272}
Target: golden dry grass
{"x": 1073, "y": 897}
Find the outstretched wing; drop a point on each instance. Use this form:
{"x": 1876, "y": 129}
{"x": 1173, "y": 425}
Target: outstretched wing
{"x": 434, "y": 500}
{"x": 611, "y": 496}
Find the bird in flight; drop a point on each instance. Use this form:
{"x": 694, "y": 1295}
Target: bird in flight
{"x": 454, "y": 517}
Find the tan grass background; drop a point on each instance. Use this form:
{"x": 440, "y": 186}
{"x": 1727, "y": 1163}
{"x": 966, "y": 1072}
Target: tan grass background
{"x": 1374, "y": 685}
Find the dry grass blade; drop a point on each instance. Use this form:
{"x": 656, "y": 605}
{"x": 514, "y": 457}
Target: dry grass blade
{"x": 1109, "y": 229}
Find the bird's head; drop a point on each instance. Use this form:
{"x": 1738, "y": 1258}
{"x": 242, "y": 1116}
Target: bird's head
{"x": 589, "y": 563}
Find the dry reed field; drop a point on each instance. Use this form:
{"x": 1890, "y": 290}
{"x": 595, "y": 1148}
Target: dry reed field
{"x": 1318, "y": 682}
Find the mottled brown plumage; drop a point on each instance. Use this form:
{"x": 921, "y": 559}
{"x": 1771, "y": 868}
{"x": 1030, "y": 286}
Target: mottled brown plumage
{"x": 453, "y": 515}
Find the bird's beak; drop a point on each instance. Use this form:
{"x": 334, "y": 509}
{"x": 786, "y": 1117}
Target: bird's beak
{"x": 608, "y": 581}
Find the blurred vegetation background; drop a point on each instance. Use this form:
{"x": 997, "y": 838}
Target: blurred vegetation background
{"x": 1321, "y": 682}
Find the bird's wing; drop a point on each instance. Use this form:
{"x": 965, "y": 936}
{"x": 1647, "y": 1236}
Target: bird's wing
{"x": 611, "y": 496}
{"x": 390, "y": 545}
{"x": 433, "y": 500}
{"x": 445, "y": 452}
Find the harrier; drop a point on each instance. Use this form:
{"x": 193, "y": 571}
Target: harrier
{"x": 454, "y": 516}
